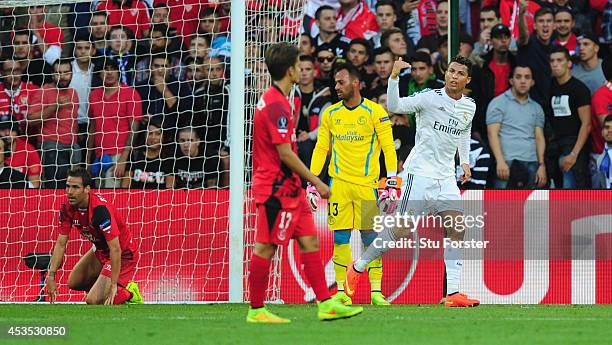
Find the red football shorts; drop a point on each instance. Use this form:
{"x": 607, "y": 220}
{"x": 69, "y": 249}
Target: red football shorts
{"x": 128, "y": 266}
{"x": 279, "y": 221}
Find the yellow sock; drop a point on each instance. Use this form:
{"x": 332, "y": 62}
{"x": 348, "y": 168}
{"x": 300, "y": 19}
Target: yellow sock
{"x": 342, "y": 258}
{"x": 375, "y": 272}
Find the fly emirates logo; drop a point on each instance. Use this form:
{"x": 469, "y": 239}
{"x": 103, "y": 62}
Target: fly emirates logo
{"x": 450, "y": 127}
{"x": 350, "y": 136}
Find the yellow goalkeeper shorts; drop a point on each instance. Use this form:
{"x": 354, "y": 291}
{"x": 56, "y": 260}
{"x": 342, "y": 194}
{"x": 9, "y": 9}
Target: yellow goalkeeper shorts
{"x": 351, "y": 206}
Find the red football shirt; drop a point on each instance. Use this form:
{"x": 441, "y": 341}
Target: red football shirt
{"x": 502, "y": 75}
{"x": 61, "y": 126}
{"x": 359, "y": 22}
{"x": 51, "y": 34}
{"x": 184, "y": 15}
{"x": 99, "y": 223}
{"x": 19, "y": 101}
{"x": 136, "y": 17}
{"x": 601, "y": 107}
{"x": 112, "y": 116}
{"x": 273, "y": 124}
{"x": 25, "y": 158}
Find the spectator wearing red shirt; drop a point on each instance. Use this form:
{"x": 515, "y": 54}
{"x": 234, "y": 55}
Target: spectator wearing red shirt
{"x": 601, "y": 102}
{"x": 432, "y": 42}
{"x": 131, "y": 13}
{"x": 183, "y": 15}
{"x": 49, "y": 37}
{"x": 564, "y": 26}
{"x": 15, "y": 94}
{"x": 18, "y": 154}
{"x": 355, "y": 20}
{"x": 114, "y": 112}
{"x": 56, "y": 109}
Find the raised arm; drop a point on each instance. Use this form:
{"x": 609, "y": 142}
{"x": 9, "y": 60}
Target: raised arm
{"x": 403, "y": 105}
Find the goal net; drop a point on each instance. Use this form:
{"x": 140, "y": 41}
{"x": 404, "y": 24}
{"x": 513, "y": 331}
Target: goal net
{"x": 138, "y": 92}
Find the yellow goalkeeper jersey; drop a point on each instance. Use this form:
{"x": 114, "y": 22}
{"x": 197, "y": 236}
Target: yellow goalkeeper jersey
{"x": 356, "y": 137}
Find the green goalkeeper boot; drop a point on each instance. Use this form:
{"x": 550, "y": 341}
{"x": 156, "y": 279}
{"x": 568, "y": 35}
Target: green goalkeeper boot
{"x": 136, "y": 296}
{"x": 333, "y": 310}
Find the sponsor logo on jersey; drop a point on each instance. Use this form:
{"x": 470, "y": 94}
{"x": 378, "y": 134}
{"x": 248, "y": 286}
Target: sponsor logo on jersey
{"x": 350, "y": 136}
{"x": 362, "y": 120}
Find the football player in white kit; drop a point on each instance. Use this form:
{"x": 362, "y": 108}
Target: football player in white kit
{"x": 443, "y": 125}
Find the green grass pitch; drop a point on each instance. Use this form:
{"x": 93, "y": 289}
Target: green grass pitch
{"x": 398, "y": 324}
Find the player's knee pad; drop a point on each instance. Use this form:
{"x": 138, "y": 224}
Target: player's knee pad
{"x": 342, "y": 236}
{"x": 367, "y": 237}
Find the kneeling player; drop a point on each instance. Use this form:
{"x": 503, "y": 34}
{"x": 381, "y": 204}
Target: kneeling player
{"x": 282, "y": 209}
{"x": 105, "y": 272}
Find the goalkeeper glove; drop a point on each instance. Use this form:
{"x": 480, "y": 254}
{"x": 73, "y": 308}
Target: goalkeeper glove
{"x": 389, "y": 191}
{"x": 313, "y": 197}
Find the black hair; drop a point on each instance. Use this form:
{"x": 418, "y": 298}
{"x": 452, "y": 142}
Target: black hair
{"x": 560, "y": 49}
{"x": 160, "y": 27}
{"x": 352, "y": 70}
{"x": 63, "y": 61}
{"x": 305, "y": 57}
{"x": 381, "y": 51}
{"x": 463, "y": 61}
{"x": 83, "y": 174}
{"x": 421, "y": 57}
{"x": 279, "y": 58}
{"x": 321, "y": 9}
{"x": 520, "y": 66}
{"x": 491, "y": 9}
{"x": 363, "y": 42}
{"x": 380, "y": 3}
{"x": 608, "y": 118}
{"x": 542, "y": 11}
{"x": 110, "y": 64}
{"x": 606, "y": 66}
{"x": 564, "y": 10}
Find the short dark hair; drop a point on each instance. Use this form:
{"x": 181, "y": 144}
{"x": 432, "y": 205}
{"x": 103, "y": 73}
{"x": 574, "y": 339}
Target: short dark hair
{"x": 520, "y": 66}
{"x": 543, "y": 11}
{"x": 63, "y": 61}
{"x": 321, "y": 9}
{"x": 110, "y": 64}
{"x": 421, "y": 57}
{"x": 381, "y": 51}
{"x": 608, "y": 118}
{"x": 309, "y": 58}
{"x": 129, "y": 33}
{"x": 99, "y": 13}
{"x": 83, "y": 174}
{"x": 352, "y": 70}
{"x": 490, "y": 9}
{"x": 210, "y": 11}
{"x": 463, "y": 61}
{"x": 159, "y": 54}
{"x": 24, "y": 32}
{"x": 312, "y": 42}
{"x": 279, "y": 58}
{"x": 606, "y": 66}
{"x": 380, "y": 3}
{"x": 160, "y": 27}
{"x": 564, "y": 10}
{"x": 363, "y": 42}
{"x": 560, "y": 49}
{"x": 83, "y": 37}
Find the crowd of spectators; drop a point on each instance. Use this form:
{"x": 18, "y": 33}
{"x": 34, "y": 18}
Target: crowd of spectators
{"x": 138, "y": 90}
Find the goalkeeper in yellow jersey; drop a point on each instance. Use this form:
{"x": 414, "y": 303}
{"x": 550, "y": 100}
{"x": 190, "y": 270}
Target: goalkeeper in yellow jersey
{"x": 355, "y": 130}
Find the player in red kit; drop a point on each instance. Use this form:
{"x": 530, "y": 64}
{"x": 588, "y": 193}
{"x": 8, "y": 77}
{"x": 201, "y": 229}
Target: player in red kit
{"x": 106, "y": 271}
{"x": 282, "y": 209}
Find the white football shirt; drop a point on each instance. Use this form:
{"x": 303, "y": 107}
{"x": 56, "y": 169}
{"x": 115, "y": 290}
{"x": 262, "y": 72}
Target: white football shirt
{"x": 443, "y": 126}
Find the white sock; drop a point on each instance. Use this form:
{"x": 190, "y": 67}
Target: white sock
{"x": 453, "y": 259}
{"x": 374, "y": 252}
